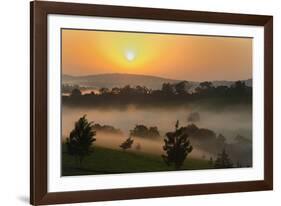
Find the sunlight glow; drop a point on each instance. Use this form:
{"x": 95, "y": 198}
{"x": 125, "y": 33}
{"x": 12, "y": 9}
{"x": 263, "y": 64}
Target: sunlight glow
{"x": 170, "y": 56}
{"x": 130, "y": 55}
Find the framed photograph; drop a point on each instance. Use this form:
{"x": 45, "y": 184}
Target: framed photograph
{"x": 131, "y": 102}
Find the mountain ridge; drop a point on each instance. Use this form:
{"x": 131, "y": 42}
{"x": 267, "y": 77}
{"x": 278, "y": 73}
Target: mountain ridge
{"x": 111, "y": 80}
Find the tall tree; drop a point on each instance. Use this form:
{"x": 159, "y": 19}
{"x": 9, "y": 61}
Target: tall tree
{"x": 177, "y": 147}
{"x": 80, "y": 139}
{"x": 223, "y": 161}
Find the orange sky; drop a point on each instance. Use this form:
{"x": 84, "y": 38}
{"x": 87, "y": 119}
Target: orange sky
{"x": 184, "y": 57}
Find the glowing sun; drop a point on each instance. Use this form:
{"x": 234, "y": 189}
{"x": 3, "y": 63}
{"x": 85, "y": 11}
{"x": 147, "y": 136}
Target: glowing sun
{"x": 130, "y": 55}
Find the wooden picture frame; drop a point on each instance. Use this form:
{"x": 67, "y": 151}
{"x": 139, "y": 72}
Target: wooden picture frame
{"x": 39, "y": 11}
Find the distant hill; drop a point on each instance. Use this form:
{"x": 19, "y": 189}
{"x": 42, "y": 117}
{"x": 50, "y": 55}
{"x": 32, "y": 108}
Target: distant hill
{"x": 116, "y": 80}
{"x": 121, "y": 80}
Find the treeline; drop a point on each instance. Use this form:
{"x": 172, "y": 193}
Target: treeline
{"x": 180, "y": 93}
{"x": 107, "y": 129}
{"x": 68, "y": 88}
{"x": 239, "y": 150}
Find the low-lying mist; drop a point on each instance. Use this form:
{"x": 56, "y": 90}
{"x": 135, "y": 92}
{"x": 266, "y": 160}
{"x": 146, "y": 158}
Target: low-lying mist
{"x": 229, "y": 122}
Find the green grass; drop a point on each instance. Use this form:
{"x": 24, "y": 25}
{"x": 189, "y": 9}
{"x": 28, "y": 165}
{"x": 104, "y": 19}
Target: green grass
{"x": 109, "y": 161}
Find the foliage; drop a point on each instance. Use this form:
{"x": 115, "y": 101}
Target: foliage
{"x": 177, "y": 147}
{"x": 127, "y": 143}
{"x": 223, "y": 161}
{"x": 182, "y": 88}
{"x": 80, "y": 139}
{"x": 143, "y": 131}
{"x": 107, "y": 129}
{"x": 76, "y": 93}
{"x": 170, "y": 94}
{"x": 67, "y": 88}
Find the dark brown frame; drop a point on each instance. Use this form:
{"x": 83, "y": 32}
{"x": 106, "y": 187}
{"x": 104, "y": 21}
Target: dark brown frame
{"x": 38, "y": 102}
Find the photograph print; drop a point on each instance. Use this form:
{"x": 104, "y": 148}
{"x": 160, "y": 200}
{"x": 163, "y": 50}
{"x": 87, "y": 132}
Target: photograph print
{"x": 136, "y": 102}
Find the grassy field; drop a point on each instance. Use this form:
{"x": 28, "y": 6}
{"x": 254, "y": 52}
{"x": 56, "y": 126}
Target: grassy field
{"x": 109, "y": 161}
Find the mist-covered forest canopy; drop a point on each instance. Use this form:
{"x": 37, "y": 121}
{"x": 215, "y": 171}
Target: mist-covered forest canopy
{"x": 181, "y": 93}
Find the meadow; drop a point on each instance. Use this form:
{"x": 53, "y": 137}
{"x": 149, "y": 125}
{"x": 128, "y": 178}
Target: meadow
{"x": 110, "y": 161}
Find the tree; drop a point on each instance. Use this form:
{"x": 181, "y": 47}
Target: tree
{"x": 223, "y": 161}
{"x": 168, "y": 89}
{"x": 115, "y": 90}
{"x": 139, "y": 131}
{"x": 239, "y": 85}
{"x": 127, "y": 143}
{"x": 103, "y": 90}
{"x": 80, "y": 139}
{"x": 76, "y": 93}
{"x": 127, "y": 90}
{"x": 206, "y": 85}
{"x": 153, "y": 132}
{"x": 145, "y": 132}
{"x": 182, "y": 87}
{"x": 177, "y": 147}
{"x": 142, "y": 90}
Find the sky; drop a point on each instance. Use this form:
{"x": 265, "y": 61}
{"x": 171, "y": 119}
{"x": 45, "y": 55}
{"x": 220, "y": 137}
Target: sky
{"x": 181, "y": 57}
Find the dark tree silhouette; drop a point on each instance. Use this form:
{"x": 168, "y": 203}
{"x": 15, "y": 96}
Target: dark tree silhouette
{"x": 153, "y": 132}
{"x": 67, "y": 88}
{"x": 141, "y": 90}
{"x": 168, "y": 89}
{"x": 206, "y": 85}
{"x": 144, "y": 131}
{"x": 223, "y": 161}
{"x": 80, "y": 139}
{"x": 177, "y": 147}
{"x": 103, "y": 90}
{"x": 240, "y": 85}
{"x": 115, "y": 90}
{"x": 180, "y": 93}
{"x": 127, "y": 144}
{"x": 107, "y": 129}
{"x": 76, "y": 93}
{"x": 182, "y": 87}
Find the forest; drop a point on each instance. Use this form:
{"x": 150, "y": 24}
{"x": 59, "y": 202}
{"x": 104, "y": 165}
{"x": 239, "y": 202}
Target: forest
{"x": 170, "y": 94}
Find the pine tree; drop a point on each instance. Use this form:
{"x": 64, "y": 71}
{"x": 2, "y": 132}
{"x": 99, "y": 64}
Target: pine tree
{"x": 80, "y": 139}
{"x": 223, "y": 161}
{"x": 177, "y": 147}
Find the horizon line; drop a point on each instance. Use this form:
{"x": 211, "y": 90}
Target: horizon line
{"x": 148, "y": 75}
